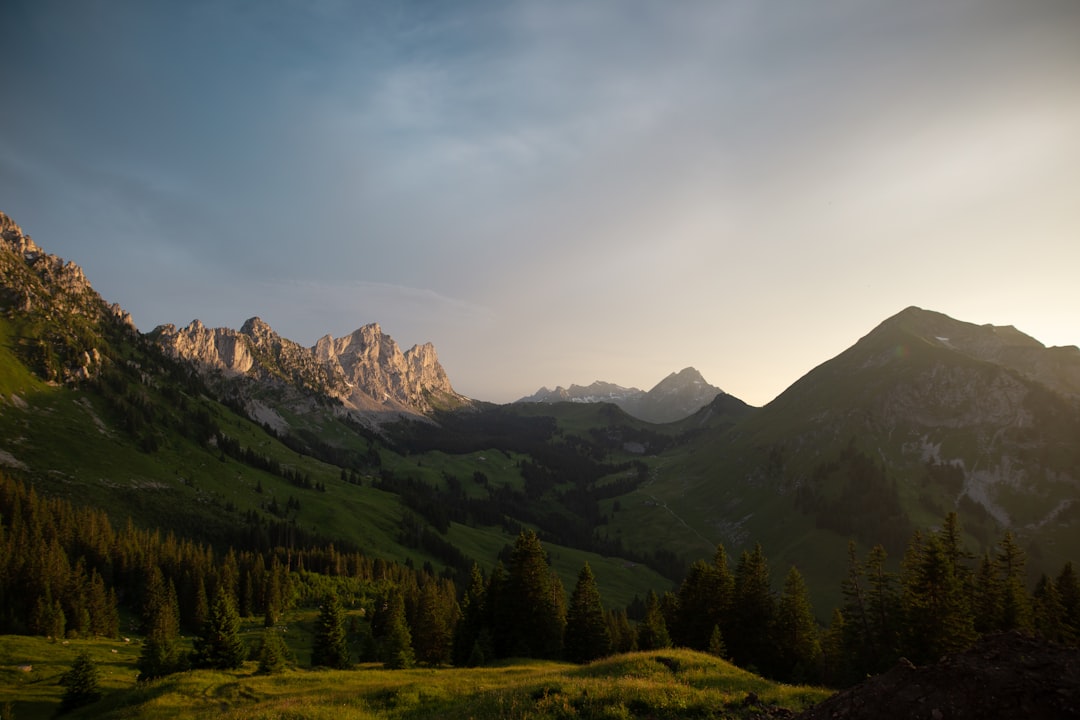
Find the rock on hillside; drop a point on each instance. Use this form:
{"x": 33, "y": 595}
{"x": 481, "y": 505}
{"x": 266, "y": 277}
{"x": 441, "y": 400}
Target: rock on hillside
{"x": 1004, "y": 677}
{"x": 365, "y": 371}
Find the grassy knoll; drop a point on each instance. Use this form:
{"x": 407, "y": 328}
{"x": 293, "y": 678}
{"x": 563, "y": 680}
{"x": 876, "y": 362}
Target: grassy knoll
{"x": 659, "y": 684}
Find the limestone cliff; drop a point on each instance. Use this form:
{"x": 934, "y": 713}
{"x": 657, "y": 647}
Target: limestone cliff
{"x": 366, "y": 372}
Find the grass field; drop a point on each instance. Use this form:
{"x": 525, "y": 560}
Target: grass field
{"x": 658, "y": 684}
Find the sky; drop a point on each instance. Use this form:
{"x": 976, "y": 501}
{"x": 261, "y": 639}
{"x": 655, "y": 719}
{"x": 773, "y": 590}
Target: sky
{"x": 555, "y": 191}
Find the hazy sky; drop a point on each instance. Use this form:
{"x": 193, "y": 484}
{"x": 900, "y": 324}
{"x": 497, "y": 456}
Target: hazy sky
{"x": 557, "y": 192}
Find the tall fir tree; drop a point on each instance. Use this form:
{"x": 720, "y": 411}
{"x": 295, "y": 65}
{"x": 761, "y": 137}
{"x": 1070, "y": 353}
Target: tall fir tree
{"x": 987, "y": 601}
{"x": 331, "y": 647}
{"x": 397, "y": 651}
{"x": 699, "y": 611}
{"x": 474, "y": 619}
{"x": 1068, "y": 587}
{"x": 587, "y": 635}
{"x": 526, "y": 612}
{"x": 1048, "y": 612}
{"x": 1016, "y": 605}
{"x": 798, "y": 647}
{"x": 432, "y": 640}
{"x": 652, "y": 632}
{"x": 220, "y": 645}
{"x": 936, "y": 603}
{"x": 161, "y": 653}
{"x": 753, "y": 610}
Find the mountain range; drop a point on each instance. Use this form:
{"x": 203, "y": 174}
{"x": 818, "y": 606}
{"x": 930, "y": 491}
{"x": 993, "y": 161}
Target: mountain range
{"x": 206, "y": 432}
{"x": 677, "y": 396}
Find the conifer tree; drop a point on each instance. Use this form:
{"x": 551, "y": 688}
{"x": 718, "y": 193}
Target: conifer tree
{"x": 883, "y": 609}
{"x": 716, "y": 643}
{"x": 220, "y": 645}
{"x": 273, "y": 652}
{"x": 587, "y": 635}
{"x": 397, "y": 650}
{"x": 652, "y": 632}
{"x": 1068, "y": 587}
{"x": 623, "y": 637}
{"x": 432, "y": 639}
{"x": 473, "y": 620}
{"x": 987, "y": 602}
{"x": 1048, "y": 612}
{"x": 160, "y": 654}
{"x": 699, "y": 598}
{"x": 331, "y": 648}
{"x": 526, "y": 612}
{"x": 82, "y": 683}
{"x": 936, "y": 605}
{"x": 795, "y": 631}
{"x": 1016, "y": 605}
{"x": 753, "y": 610}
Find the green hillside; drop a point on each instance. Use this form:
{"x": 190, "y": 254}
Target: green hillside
{"x": 658, "y": 684}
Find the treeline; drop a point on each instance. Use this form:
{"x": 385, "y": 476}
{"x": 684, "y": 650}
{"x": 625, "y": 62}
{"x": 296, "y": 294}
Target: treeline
{"x": 941, "y": 601}
{"x": 68, "y": 571}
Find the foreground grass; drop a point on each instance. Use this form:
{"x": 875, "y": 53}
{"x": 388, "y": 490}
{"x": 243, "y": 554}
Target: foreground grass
{"x": 660, "y": 684}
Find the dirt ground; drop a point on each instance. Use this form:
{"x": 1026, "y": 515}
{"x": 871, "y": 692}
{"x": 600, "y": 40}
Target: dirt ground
{"x": 1007, "y": 676}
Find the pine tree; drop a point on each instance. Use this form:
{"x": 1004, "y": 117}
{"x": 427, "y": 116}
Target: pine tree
{"x": 652, "y": 632}
{"x": 220, "y": 646}
{"x": 433, "y": 636}
{"x": 716, "y": 643}
{"x": 1016, "y": 605}
{"x": 160, "y": 654}
{"x": 987, "y": 603}
{"x": 331, "y": 648}
{"x": 526, "y": 611}
{"x": 936, "y": 604}
{"x": 272, "y": 651}
{"x": 587, "y": 635}
{"x": 699, "y": 596}
{"x": 623, "y": 637}
{"x": 81, "y": 682}
{"x": 397, "y": 650}
{"x": 795, "y": 631}
{"x": 473, "y": 620}
{"x": 1068, "y": 587}
{"x": 753, "y": 610}
{"x": 883, "y": 609}
{"x": 1048, "y": 612}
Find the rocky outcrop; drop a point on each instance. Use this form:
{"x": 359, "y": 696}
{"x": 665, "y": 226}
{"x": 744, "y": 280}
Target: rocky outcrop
{"x": 365, "y": 371}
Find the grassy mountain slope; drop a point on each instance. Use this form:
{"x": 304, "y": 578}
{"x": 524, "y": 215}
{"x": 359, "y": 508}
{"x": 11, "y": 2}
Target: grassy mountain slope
{"x": 660, "y": 684}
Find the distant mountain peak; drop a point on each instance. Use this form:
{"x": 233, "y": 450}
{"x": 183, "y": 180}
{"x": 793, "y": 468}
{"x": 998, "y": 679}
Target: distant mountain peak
{"x": 677, "y": 396}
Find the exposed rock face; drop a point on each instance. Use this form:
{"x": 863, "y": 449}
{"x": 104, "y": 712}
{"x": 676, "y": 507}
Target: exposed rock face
{"x": 54, "y": 297}
{"x": 365, "y": 371}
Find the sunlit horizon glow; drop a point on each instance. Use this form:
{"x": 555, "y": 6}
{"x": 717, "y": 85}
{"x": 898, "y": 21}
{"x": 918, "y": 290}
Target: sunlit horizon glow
{"x": 552, "y": 192}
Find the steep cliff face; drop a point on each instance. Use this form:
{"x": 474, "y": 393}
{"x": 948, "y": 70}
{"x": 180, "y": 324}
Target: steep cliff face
{"x": 365, "y": 371}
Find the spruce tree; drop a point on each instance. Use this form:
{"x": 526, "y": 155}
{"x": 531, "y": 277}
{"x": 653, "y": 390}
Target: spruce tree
{"x": 220, "y": 645}
{"x": 1068, "y": 587}
{"x": 397, "y": 650}
{"x": 587, "y": 636}
{"x": 433, "y": 635}
{"x": 526, "y": 608}
{"x": 795, "y": 631}
{"x": 936, "y": 602}
{"x": 987, "y": 602}
{"x": 473, "y": 620}
{"x": 716, "y": 643}
{"x": 160, "y": 654}
{"x": 81, "y": 682}
{"x": 1016, "y": 605}
{"x": 1048, "y": 612}
{"x": 331, "y": 648}
{"x": 652, "y": 632}
{"x": 753, "y": 610}
{"x": 273, "y": 652}
{"x": 699, "y": 596}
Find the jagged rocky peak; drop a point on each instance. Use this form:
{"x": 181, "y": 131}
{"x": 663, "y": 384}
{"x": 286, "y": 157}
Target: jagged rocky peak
{"x": 212, "y": 348}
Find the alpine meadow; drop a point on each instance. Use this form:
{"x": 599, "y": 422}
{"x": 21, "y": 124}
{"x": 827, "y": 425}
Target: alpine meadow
{"x": 215, "y": 523}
